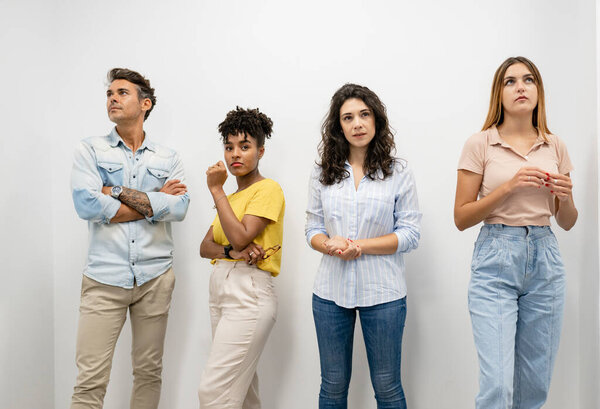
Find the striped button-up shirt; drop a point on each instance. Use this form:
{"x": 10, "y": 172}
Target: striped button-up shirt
{"x": 376, "y": 208}
{"x": 137, "y": 251}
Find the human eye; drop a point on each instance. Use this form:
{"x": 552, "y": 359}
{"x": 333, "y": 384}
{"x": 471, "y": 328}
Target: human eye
{"x": 366, "y": 114}
{"x": 529, "y": 80}
{"x": 509, "y": 81}
{"x": 228, "y": 148}
{"x": 245, "y": 147}
{"x": 346, "y": 118}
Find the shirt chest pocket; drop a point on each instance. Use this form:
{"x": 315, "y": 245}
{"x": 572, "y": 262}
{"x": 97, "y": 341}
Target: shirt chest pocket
{"x": 111, "y": 173}
{"x": 154, "y": 178}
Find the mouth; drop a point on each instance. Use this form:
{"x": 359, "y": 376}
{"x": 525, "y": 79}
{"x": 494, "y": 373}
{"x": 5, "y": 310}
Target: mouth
{"x": 113, "y": 108}
{"x": 359, "y": 135}
{"x": 521, "y": 98}
{"x": 236, "y": 164}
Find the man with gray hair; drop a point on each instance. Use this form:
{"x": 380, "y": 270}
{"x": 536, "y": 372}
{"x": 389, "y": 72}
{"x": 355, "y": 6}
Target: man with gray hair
{"x": 129, "y": 189}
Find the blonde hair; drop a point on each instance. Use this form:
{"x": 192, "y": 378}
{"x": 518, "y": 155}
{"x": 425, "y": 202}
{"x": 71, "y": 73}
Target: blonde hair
{"x": 495, "y": 114}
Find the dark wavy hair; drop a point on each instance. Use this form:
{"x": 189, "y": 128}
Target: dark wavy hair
{"x": 334, "y": 148}
{"x": 248, "y": 122}
{"x": 142, "y": 84}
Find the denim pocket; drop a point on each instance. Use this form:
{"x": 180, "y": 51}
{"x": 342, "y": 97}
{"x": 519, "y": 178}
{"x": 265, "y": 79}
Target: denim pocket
{"x": 154, "y": 179}
{"x": 486, "y": 250}
{"x": 111, "y": 173}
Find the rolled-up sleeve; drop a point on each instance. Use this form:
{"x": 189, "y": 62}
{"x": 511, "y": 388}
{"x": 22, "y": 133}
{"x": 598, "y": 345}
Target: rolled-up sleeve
{"x": 315, "y": 223}
{"x": 166, "y": 207}
{"x": 407, "y": 217}
{"x": 86, "y": 188}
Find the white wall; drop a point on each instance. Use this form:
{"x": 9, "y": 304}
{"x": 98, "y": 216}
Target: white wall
{"x": 431, "y": 62}
{"x": 27, "y": 295}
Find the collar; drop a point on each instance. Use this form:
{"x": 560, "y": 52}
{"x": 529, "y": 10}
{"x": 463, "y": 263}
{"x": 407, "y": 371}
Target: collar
{"x": 114, "y": 138}
{"x": 496, "y": 139}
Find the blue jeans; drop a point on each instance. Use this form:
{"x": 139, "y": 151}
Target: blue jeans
{"x": 382, "y": 327}
{"x": 516, "y": 300}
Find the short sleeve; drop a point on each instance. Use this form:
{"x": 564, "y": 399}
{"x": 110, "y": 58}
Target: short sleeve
{"x": 564, "y": 161}
{"x": 267, "y": 202}
{"x": 472, "y": 156}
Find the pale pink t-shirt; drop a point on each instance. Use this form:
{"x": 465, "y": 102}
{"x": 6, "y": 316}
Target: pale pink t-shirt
{"x": 485, "y": 153}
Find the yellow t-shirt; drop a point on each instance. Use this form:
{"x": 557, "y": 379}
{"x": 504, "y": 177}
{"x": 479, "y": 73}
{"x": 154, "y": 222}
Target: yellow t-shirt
{"x": 263, "y": 199}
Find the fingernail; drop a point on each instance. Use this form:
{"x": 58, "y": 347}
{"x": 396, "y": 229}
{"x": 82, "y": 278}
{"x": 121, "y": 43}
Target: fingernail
{"x": 339, "y": 251}
{"x": 546, "y": 184}
{"x": 552, "y": 191}
{"x": 547, "y": 174}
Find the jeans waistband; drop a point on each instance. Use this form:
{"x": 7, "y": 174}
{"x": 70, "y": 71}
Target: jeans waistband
{"x": 516, "y": 232}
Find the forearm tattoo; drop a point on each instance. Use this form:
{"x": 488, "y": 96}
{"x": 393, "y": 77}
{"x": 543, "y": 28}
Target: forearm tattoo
{"x": 137, "y": 200}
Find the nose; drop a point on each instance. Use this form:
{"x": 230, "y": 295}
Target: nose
{"x": 520, "y": 86}
{"x": 357, "y": 123}
{"x": 235, "y": 153}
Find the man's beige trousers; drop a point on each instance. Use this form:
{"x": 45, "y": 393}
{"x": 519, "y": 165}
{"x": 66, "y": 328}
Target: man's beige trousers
{"x": 101, "y": 317}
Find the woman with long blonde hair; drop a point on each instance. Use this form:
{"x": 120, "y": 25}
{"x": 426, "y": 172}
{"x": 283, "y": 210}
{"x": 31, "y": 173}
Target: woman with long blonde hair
{"x": 514, "y": 175}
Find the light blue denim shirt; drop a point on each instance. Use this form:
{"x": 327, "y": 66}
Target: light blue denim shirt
{"x": 377, "y": 208}
{"x": 139, "y": 250}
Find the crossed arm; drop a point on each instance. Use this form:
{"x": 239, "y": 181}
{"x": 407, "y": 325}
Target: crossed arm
{"x": 135, "y": 205}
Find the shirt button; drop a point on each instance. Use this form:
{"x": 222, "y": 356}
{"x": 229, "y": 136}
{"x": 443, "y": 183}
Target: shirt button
{"x": 134, "y": 176}
{"x": 133, "y": 241}
{"x": 132, "y": 263}
{"x": 526, "y": 157}
{"x": 137, "y": 158}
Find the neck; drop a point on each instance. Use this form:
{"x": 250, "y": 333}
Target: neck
{"x": 517, "y": 125}
{"x": 132, "y": 134}
{"x": 248, "y": 179}
{"x": 357, "y": 156}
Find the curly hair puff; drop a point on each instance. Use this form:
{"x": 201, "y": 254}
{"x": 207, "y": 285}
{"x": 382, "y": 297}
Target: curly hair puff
{"x": 250, "y": 122}
{"x": 334, "y": 148}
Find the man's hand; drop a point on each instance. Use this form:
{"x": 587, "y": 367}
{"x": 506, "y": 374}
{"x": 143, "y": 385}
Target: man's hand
{"x": 173, "y": 187}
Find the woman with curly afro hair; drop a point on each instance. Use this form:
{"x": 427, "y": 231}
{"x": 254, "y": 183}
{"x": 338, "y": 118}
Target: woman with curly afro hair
{"x": 242, "y": 243}
{"x": 363, "y": 216}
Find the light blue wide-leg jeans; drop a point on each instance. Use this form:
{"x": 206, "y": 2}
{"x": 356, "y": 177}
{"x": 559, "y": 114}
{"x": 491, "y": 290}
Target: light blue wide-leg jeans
{"x": 516, "y": 300}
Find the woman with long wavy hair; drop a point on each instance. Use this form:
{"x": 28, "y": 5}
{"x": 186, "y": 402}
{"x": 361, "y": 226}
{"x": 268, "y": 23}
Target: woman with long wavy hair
{"x": 513, "y": 176}
{"x": 363, "y": 216}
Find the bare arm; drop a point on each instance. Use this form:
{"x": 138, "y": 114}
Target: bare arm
{"x": 561, "y": 187}
{"x": 136, "y": 200}
{"x": 386, "y": 244}
{"x": 468, "y": 211}
{"x": 126, "y": 214}
{"x": 209, "y": 249}
{"x": 239, "y": 233}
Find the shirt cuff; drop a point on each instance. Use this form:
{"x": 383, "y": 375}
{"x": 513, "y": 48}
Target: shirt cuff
{"x": 159, "y": 204}
{"x": 111, "y": 210}
{"x": 402, "y": 242}
{"x": 312, "y": 233}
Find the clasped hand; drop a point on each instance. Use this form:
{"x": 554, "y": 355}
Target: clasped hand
{"x": 251, "y": 254}
{"x": 343, "y": 248}
{"x": 528, "y": 177}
